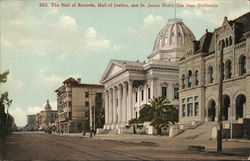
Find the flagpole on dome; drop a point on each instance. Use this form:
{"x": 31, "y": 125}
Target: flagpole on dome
{"x": 175, "y": 10}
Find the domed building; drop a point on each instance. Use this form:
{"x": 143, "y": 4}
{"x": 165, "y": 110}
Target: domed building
{"x": 172, "y": 41}
{"x": 130, "y": 84}
{"x": 45, "y": 117}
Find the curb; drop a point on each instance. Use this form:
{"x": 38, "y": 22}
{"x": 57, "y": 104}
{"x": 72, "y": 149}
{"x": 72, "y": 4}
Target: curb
{"x": 237, "y": 140}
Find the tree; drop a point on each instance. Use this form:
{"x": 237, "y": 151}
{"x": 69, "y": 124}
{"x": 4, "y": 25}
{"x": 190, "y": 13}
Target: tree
{"x": 99, "y": 117}
{"x": 159, "y": 112}
{"x": 4, "y": 102}
{"x": 134, "y": 123}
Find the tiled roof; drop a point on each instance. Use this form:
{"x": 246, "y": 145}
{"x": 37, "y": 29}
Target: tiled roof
{"x": 89, "y": 85}
{"x": 70, "y": 80}
{"x": 204, "y": 42}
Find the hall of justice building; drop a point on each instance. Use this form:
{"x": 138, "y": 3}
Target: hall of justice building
{"x": 130, "y": 84}
{"x": 199, "y": 78}
{"x": 73, "y": 101}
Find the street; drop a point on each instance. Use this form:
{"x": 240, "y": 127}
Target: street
{"x": 40, "y": 146}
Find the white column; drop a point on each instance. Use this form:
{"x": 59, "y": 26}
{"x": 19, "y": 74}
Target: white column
{"x": 110, "y": 107}
{"x": 130, "y": 100}
{"x": 133, "y": 103}
{"x": 114, "y": 107}
{"x": 124, "y": 106}
{"x": 106, "y": 108}
{"x": 119, "y": 104}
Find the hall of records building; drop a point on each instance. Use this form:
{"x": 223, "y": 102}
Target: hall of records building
{"x": 199, "y": 72}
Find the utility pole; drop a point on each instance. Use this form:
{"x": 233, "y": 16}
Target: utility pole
{"x": 219, "y": 131}
{"x": 90, "y": 116}
{"x": 94, "y": 118}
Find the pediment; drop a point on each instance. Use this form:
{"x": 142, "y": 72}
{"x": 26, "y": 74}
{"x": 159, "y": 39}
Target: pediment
{"x": 112, "y": 69}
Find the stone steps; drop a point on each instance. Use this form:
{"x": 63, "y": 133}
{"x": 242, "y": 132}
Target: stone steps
{"x": 201, "y": 132}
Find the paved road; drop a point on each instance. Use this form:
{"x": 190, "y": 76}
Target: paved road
{"x": 37, "y": 146}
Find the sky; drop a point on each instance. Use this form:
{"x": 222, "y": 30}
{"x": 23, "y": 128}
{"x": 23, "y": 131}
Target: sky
{"x": 43, "y": 46}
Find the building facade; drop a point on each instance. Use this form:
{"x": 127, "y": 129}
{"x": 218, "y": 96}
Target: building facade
{"x": 200, "y": 71}
{"x": 130, "y": 84}
{"x": 31, "y": 122}
{"x": 73, "y": 102}
{"x": 46, "y": 117}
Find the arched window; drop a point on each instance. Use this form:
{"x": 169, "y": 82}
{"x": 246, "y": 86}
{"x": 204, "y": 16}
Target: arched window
{"x": 226, "y": 42}
{"x": 189, "y": 78}
{"x": 210, "y": 72}
{"x": 228, "y": 69}
{"x": 183, "y": 81}
{"x": 196, "y": 77}
{"x": 242, "y": 65}
{"x": 230, "y": 40}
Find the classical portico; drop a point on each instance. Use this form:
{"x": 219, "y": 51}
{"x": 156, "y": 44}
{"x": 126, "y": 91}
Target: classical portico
{"x": 131, "y": 84}
{"x": 118, "y": 105}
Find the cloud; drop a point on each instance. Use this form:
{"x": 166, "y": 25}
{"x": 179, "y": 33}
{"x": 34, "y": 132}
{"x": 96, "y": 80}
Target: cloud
{"x": 91, "y": 41}
{"x": 152, "y": 20}
{"x": 19, "y": 115}
{"x": 50, "y": 33}
{"x": 49, "y": 80}
{"x": 6, "y": 43}
{"x": 151, "y": 24}
{"x": 16, "y": 84}
{"x": 214, "y": 15}
{"x": 68, "y": 23}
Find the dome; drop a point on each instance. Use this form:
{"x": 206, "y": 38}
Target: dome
{"x": 175, "y": 35}
{"x": 47, "y": 106}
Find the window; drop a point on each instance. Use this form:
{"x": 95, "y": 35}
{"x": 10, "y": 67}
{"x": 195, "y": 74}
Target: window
{"x": 189, "y": 106}
{"x": 183, "y": 108}
{"x": 86, "y": 114}
{"x": 136, "y": 96}
{"x": 196, "y": 106}
{"x": 228, "y": 70}
{"x": 210, "y": 74}
{"x": 69, "y": 104}
{"x": 98, "y": 100}
{"x": 149, "y": 93}
{"x": 196, "y": 77}
{"x": 242, "y": 65}
{"x": 142, "y": 95}
{"x": 176, "y": 93}
{"x": 189, "y": 78}
{"x": 87, "y": 104}
{"x": 183, "y": 81}
{"x": 69, "y": 94}
{"x": 230, "y": 41}
{"x": 86, "y": 94}
{"x": 79, "y": 125}
{"x": 164, "y": 91}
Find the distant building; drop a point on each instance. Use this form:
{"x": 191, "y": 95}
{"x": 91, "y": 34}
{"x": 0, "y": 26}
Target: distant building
{"x": 45, "y": 117}
{"x": 31, "y": 122}
{"x": 73, "y": 102}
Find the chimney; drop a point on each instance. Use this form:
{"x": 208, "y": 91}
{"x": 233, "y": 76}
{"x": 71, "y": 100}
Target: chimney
{"x": 79, "y": 80}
